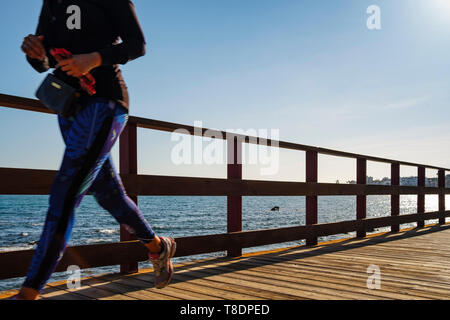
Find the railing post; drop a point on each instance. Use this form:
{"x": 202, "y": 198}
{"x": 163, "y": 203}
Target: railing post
{"x": 128, "y": 164}
{"x": 234, "y": 203}
{"x": 395, "y": 198}
{"x": 421, "y": 197}
{"x": 441, "y": 185}
{"x": 361, "y": 200}
{"x": 311, "y": 201}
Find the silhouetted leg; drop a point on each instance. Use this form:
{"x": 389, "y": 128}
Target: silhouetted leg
{"x": 89, "y": 138}
{"x": 109, "y": 192}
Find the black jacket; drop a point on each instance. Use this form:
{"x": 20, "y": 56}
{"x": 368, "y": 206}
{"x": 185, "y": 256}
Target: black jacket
{"x": 99, "y": 27}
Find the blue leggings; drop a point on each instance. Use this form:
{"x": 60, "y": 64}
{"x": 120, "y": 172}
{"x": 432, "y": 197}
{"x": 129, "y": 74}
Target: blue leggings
{"x": 86, "y": 166}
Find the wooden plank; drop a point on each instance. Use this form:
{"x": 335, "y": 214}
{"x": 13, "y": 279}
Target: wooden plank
{"x": 23, "y": 104}
{"x": 91, "y": 292}
{"x": 98, "y": 288}
{"x": 32, "y": 181}
{"x": 311, "y": 158}
{"x": 382, "y": 257}
{"x": 116, "y": 289}
{"x": 353, "y": 279}
{"x": 182, "y": 289}
{"x": 400, "y": 270}
{"x": 59, "y": 291}
{"x": 26, "y": 181}
{"x": 326, "y": 262}
{"x": 270, "y": 288}
{"x": 419, "y": 254}
{"x": 419, "y": 248}
{"x": 360, "y": 255}
{"x": 361, "y": 200}
{"x": 336, "y": 271}
{"x": 223, "y": 269}
{"x": 63, "y": 295}
{"x": 186, "y": 273}
{"x": 5, "y": 295}
{"x": 420, "y": 197}
{"x": 150, "y": 295}
{"x": 234, "y": 202}
{"x": 313, "y": 260}
{"x": 255, "y": 268}
{"x": 273, "y": 283}
{"x": 34, "y": 105}
{"x": 441, "y": 200}
{"x": 349, "y": 290}
{"x": 395, "y": 198}
{"x": 117, "y": 297}
{"x": 135, "y": 282}
{"x": 227, "y": 291}
{"x": 128, "y": 165}
{"x": 172, "y": 185}
{"x": 355, "y": 269}
{"x": 188, "y": 286}
{"x": 249, "y": 287}
{"x": 15, "y": 264}
{"x": 138, "y": 289}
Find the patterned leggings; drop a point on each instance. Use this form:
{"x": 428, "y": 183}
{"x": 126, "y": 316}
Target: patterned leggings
{"x": 86, "y": 166}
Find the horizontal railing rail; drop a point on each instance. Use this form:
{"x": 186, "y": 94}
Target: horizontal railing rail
{"x": 38, "y": 182}
{"x": 128, "y": 252}
{"x": 35, "y": 105}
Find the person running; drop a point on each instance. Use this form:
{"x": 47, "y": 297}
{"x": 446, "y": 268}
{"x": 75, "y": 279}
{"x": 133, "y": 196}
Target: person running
{"x": 100, "y": 34}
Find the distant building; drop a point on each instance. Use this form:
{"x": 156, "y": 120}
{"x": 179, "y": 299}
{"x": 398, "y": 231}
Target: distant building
{"x": 405, "y": 181}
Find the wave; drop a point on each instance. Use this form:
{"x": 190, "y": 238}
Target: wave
{"x": 16, "y": 248}
{"x": 108, "y": 231}
{"x": 101, "y": 240}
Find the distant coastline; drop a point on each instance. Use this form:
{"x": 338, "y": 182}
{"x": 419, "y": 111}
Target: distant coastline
{"x": 405, "y": 181}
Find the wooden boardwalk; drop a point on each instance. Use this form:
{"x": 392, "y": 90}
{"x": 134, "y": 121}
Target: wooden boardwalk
{"x": 414, "y": 264}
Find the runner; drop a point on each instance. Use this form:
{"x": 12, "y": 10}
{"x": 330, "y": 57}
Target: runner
{"x": 90, "y": 30}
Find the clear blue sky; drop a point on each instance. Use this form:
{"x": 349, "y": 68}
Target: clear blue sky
{"x": 308, "y": 68}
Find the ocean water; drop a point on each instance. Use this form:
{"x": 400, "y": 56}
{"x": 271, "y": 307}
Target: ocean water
{"x": 22, "y": 219}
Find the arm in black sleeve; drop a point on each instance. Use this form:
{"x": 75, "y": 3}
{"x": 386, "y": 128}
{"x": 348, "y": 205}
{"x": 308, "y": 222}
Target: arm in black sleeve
{"x": 133, "y": 41}
{"x": 48, "y": 62}
{"x": 39, "y": 65}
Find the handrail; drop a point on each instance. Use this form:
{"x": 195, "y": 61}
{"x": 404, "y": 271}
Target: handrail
{"x": 37, "y": 182}
{"x": 128, "y": 252}
{"x": 35, "y": 105}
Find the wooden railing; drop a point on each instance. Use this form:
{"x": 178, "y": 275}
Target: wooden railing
{"x": 129, "y": 252}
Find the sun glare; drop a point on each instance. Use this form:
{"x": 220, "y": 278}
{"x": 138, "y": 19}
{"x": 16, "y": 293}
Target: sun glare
{"x": 436, "y": 13}
{"x": 442, "y": 5}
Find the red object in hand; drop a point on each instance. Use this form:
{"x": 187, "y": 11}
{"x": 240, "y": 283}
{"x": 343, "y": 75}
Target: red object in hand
{"x": 87, "y": 81}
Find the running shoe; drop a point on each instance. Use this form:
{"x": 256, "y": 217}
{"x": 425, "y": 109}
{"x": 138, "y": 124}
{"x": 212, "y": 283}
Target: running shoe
{"x": 162, "y": 265}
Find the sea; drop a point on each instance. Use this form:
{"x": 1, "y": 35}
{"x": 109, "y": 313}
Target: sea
{"x": 22, "y": 219}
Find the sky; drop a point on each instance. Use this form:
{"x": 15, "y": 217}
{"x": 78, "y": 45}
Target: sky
{"x": 311, "y": 70}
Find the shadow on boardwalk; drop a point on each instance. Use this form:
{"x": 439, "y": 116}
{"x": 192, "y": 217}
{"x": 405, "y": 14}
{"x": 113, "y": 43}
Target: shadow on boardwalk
{"x": 330, "y": 271}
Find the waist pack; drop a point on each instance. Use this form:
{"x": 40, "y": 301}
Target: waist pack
{"x": 58, "y": 96}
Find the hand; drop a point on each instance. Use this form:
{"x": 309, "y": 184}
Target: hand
{"x": 80, "y": 64}
{"x": 33, "y": 47}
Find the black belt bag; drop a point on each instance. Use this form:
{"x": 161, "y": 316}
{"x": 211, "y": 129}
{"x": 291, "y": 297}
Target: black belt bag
{"x": 58, "y": 96}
